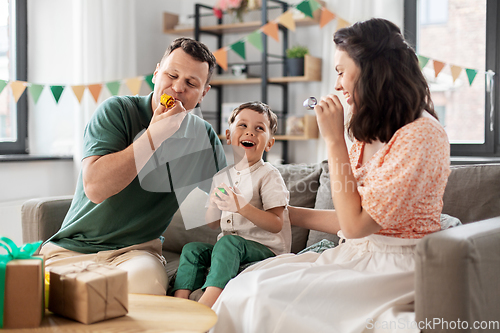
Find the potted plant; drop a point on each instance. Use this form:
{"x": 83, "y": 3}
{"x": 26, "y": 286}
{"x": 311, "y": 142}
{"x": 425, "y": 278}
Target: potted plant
{"x": 295, "y": 60}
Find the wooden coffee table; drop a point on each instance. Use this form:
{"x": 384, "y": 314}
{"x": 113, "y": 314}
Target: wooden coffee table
{"x": 146, "y": 313}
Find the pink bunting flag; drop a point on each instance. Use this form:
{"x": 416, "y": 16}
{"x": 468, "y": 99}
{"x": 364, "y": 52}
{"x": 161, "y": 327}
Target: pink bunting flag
{"x": 95, "y": 90}
{"x": 221, "y": 57}
{"x": 326, "y": 16}
{"x": 438, "y": 67}
{"x": 271, "y": 29}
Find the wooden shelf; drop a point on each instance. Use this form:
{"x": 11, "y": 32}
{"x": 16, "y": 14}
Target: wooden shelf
{"x": 225, "y": 28}
{"x": 312, "y": 72}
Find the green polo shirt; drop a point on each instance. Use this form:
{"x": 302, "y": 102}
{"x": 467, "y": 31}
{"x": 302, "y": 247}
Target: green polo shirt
{"x": 143, "y": 210}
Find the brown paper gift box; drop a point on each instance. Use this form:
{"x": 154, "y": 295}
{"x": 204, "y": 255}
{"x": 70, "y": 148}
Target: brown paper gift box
{"x": 88, "y": 293}
{"x": 24, "y": 292}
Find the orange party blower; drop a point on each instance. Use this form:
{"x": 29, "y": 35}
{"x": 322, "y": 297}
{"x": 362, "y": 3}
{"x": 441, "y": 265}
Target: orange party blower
{"x": 167, "y": 100}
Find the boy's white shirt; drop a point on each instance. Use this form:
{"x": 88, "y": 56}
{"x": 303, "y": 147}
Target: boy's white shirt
{"x": 264, "y": 188}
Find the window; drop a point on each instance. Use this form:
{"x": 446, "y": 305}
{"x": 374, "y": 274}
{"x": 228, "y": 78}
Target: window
{"x": 13, "y": 64}
{"x": 464, "y": 35}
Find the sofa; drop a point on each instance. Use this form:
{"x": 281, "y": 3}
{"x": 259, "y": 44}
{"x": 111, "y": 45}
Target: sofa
{"x": 457, "y": 276}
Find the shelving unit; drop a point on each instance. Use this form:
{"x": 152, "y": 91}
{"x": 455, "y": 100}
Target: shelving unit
{"x": 312, "y": 65}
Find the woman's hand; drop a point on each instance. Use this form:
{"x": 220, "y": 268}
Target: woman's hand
{"x": 231, "y": 201}
{"x": 330, "y": 117}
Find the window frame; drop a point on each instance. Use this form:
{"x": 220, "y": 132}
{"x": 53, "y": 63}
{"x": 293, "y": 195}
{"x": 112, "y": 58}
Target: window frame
{"x": 491, "y": 146}
{"x": 20, "y": 146}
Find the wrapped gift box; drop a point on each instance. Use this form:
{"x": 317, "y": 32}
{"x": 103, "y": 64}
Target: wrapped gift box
{"x": 88, "y": 292}
{"x": 24, "y": 293}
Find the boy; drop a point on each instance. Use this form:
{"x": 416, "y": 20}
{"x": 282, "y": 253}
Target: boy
{"x": 248, "y": 200}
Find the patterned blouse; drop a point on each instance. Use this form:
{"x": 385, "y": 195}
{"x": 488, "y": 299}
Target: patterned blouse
{"x": 402, "y": 185}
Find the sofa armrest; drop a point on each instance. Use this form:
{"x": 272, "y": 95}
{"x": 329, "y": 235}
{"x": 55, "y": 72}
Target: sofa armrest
{"x": 42, "y": 217}
{"x": 457, "y": 275}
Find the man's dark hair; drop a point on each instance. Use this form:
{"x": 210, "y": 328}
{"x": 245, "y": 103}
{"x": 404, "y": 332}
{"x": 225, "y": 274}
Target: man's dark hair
{"x": 391, "y": 90}
{"x": 195, "y": 49}
{"x": 259, "y": 107}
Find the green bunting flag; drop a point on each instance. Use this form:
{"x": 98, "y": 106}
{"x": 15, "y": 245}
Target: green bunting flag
{"x": 471, "y": 74}
{"x": 239, "y": 48}
{"x": 314, "y": 5}
{"x": 35, "y": 91}
{"x": 255, "y": 38}
{"x": 305, "y": 8}
{"x": 114, "y": 87}
{"x": 57, "y": 91}
{"x": 422, "y": 61}
{"x": 149, "y": 81}
{"x": 3, "y": 84}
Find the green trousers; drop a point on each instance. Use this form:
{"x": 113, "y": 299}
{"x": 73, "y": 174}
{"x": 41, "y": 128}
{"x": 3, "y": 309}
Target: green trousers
{"x": 224, "y": 260}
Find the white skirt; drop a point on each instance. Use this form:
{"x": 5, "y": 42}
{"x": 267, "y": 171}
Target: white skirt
{"x": 362, "y": 285}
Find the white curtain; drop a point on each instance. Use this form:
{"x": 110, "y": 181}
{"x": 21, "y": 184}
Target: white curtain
{"x": 104, "y": 50}
{"x": 351, "y": 11}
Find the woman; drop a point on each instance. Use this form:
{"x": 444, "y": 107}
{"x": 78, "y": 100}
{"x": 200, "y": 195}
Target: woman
{"x": 387, "y": 192}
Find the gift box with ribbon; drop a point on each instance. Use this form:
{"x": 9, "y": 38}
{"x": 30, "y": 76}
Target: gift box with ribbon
{"x": 88, "y": 292}
{"x": 21, "y": 285}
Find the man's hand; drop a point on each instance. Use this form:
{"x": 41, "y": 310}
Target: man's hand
{"x": 166, "y": 122}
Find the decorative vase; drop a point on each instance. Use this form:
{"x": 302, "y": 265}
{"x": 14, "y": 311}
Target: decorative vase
{"x": 295, "y": 66}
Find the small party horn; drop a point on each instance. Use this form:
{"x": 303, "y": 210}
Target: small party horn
{"x": 167, "y": 100}
{"x": 310, "y": 103}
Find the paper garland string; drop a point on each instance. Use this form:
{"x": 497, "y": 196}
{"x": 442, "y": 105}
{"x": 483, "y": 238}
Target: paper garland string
{"x": 271, "y": 29}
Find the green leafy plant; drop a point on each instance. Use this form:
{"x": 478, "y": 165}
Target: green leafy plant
{"x": 297, "y": 51}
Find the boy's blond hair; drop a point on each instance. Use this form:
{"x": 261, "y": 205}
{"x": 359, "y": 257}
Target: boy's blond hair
{"x": 259, "y": 107}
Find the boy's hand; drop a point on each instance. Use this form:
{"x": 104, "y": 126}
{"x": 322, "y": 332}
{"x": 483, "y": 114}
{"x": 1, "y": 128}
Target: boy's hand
{"x": 231, "y": 201}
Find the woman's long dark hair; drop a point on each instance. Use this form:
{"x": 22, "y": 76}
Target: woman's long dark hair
{"x": 391, "y": 90}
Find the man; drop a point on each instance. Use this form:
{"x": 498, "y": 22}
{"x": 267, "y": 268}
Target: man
{"x": 140, "y": 161}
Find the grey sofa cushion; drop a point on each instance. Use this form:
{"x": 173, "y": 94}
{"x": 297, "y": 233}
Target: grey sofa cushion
{"x": 323, "y": 201}
{"x": 302, "y": 180}
{"x": 472, "y": 192}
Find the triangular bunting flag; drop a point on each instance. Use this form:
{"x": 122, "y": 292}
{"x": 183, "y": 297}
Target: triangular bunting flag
{"x": 341, "y": 23}
{"x": 221, "y": 57}
{"x": 255, "y": 38}
{"x": 271, "y": 29}
{"x": 326, "y": 16}
{"x": 3, "y": 84}
{"x": 56, "y": 92}
{"x": 305, "y": 8}
{"x": 95, "y": 90}
{"x": 113, "y": 87}
{"x": 314, "y": 5}
{"x": 78, "y": 91}
{"x": 18, "y": 88}
{"x": 438, "y": 67}
{"x": 134, "y": 85}
{"x": 149, "y": 81}
{"x": 422, "y": 61}
{"x": 35, "y": 91}
{"x": 471, "y": 74}
{"x": 239, "y": 48}
{"x": 286, "y": 20}
{"x": 455, "y": 71}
